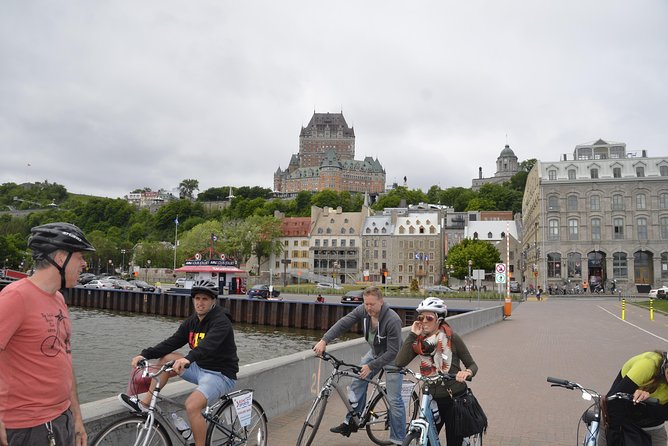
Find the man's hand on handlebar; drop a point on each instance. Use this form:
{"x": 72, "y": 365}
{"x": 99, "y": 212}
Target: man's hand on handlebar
{"x": 180, "y": 365}
{"x": 365, "y": 371}
{"x": 640, "y": 395}
{"x": 320, "y": 347}
{"x": 136, "y": 360}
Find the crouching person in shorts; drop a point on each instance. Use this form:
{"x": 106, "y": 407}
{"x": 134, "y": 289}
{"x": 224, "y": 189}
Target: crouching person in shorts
{"x": 212, "y": 362}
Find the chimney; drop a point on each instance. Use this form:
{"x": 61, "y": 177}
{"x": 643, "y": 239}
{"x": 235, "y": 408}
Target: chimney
{"x": 565, "y": 157}
{"x": 480, "y": 173}
{"x": 644, "y": 153}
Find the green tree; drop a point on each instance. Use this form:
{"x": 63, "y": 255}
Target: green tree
{"x": 527, "y": 165}
{"x": 483, "y": 254}
{"x": 187, "y": 188}
{"x": 198, "y": 239}
{"x": 303, "y": 204}
{"x": 327, "y": 198}
{"x": 266, "y": 232}
{"x": 480, "y": 204}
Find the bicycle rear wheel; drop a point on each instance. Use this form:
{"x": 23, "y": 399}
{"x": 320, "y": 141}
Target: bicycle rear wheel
{"x": 378, "y": 424}
{"x": 131, "y": 430}
{"x": 225, "y": 428}
{"x": 312, "y": 422}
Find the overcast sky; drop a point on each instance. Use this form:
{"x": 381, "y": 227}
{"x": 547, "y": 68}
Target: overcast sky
{"x": 107, "y": 96}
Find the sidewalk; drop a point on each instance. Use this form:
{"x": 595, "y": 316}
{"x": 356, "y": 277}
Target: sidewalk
{"x": 582, "y": 340}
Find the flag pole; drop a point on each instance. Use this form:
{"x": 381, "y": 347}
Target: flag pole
{"x": 176, "y": 238}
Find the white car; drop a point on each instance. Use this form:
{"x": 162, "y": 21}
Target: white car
{"x": 328, "y": 285}
{"x": 658, "y": 292}
{"x": 180, "y": 282}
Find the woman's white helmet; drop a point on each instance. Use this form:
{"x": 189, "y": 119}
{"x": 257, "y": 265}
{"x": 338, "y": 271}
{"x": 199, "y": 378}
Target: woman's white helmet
{"x": 433, "y": 304}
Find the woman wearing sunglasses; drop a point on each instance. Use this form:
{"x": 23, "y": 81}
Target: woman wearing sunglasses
{"x": 440, "y": 350}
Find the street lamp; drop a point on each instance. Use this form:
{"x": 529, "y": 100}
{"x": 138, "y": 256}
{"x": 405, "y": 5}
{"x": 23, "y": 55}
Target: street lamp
{"x": 108, "y": 265}
{"x": 123, "y": 251}
{"x": 336, "y": 267}
{"x": 470, "y": 281}
{"x": 148, "y": 266}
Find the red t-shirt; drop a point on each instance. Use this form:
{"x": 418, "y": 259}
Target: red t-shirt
{"x": 35, "y": 355}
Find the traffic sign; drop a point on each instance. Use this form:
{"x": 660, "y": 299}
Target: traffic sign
{"x": 500, "y": 268}
{"x": 500, "y": 278}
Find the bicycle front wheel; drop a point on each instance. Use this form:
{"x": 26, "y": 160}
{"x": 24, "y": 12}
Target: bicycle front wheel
{"x": 413, "y": 439}
{"x": 378, "y": 424}
{"x": 131, "y": 431}
{"x": 312, "y": 422}
{"x": 225, "y": 427}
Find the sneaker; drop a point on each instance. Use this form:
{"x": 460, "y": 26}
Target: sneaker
{"x": 132, "y": 403}
{"x": 343, "y": 429}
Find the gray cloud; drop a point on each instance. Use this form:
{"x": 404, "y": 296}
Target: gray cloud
{"x": 105, "y": 97}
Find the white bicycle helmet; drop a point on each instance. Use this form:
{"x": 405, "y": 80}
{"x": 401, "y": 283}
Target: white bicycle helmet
{"x": 433, "y": 304}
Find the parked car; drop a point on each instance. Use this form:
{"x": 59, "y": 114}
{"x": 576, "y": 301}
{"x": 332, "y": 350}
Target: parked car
{"x": 180, "y": 282}
{"x": 262, "y": 292}
{"x": 330, "y": 286}
{"x": 354, "y": 297}
{"x": 142, "y": 285}
{"x": 84, "y": 278}
{"x": 436, "y": 289}
{"x": 98, "y": 284}
{"x": 515, "y": 286}
{"x": 658, "y": 293}
{"x": 121, "y": 284}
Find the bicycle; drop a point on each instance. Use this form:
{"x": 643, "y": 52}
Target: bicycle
{"x": 375, "y": 415}
{"x": 226, "y": 426}
{"x": 52, "y": 345}
{"x": 422, "y": 430}
{"x": 593, "y": 415}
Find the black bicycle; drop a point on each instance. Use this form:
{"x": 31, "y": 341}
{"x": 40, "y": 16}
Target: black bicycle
{"x": 374, "y": 417}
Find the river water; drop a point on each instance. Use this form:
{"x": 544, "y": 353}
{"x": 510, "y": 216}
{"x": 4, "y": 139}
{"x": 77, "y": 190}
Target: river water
{"x": 103, "y": 342}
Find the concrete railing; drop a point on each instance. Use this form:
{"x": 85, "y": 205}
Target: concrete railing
{"x": 282, "y": 384}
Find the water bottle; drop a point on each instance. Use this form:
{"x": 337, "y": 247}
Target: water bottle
{"x": 435, "y": 411}
{"x": 352, "y": 398}
{"x": 181, "y": 425}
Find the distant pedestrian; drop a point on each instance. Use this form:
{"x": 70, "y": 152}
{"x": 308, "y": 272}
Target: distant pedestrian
{"x": 539, "y": 292}
{"x": 320, "y": 299}
{"x": 584, "y": 286}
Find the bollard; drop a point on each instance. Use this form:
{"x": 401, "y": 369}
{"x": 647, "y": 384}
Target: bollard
{"x": 651, "y": 309}
{"x": 623, "y": 309}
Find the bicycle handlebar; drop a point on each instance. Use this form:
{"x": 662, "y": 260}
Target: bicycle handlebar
{"x": 559, "y": 382}
{"x": 167, "y": 367}
{"x": 338, "y": 363}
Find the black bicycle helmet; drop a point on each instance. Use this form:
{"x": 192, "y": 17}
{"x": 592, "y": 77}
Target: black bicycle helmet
{"x": 45, "y": 239}
{"x": 204, "y": 286}
{"x": 51, "y": 237}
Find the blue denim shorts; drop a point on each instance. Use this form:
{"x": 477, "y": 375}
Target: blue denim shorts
{"x": 211, "y": 384}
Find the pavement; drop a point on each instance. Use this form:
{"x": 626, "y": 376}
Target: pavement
{"x": 581, "y": 339}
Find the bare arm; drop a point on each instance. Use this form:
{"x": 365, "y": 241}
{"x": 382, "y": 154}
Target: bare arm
{"x": 80, "y": 438}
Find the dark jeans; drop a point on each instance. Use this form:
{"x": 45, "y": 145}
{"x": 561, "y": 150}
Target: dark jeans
{"x": 63, "y": 433}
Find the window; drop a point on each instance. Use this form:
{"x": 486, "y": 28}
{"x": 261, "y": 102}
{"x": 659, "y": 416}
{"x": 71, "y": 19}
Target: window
{"x": 664, "y": 265}
{"x": 663, "y": 171}
{"x": 552, "y": 203}
{"x": 384, "y": 253}
{"x": 594, "y": 173}
{"x": 617, "y": 202}
{"x": 574, "y": 265}
{"x": 553, "y": 229}
{"x": 334, "y": 243}
{"x": 595, "y": 202}
{"x": 596, "y": 229}
{"x": 553, "y": 264}
{"x": 489, "y": 235}
{"x": 325, "y": 243}
{"x": 618, "y": 228}
{"x": 641, "y": 201}
{"x": 552, "y": 174}
{"x": 640, "y": 171}
{"x": 572, "y": 203}
{"x": 343, "y": 230}
{"x": 641, "y": 224}
{"x": 317, "y": 242}
{"x": 571, "y": 174}
{"x": 401, "y": 268}
{"x": 616, "y": 172}
{"x": 619, "y": 265}
{"x": 663, "y": 222}
{"x": 663, "y": 201}
{"x": 572, "y": 229}
{"x": 343, "y": 243}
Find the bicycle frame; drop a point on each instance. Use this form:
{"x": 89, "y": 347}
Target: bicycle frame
{"x": 425, "y": 422}
{"x": 154, "y": 412}
{"x": 360, "y": 419}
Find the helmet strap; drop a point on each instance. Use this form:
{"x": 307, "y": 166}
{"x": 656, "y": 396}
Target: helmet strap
{"x": 61, "y": 269}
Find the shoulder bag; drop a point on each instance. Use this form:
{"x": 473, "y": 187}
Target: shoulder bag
{"x": 468, "y": 417}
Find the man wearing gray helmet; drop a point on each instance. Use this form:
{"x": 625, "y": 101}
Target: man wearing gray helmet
{"x": 39, "y": 404}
